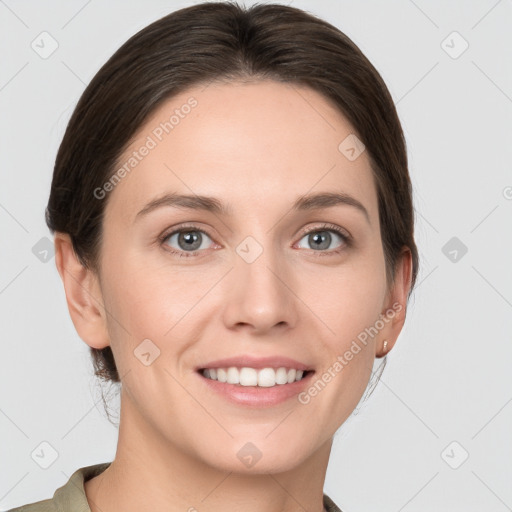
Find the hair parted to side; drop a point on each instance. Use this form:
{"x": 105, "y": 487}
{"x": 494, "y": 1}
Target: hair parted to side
{"x": 223, "y": 41}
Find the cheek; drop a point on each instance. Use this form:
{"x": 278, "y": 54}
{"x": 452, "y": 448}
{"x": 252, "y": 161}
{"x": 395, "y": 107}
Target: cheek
{"x": 150, "y": 298}
{"x": 348, "y": 354}
{"x": 347, "y": 299}
{"x": 349, "y": 308}
{"x": 151, "y": 302}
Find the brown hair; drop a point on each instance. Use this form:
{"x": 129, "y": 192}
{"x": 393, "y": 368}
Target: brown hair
{"x": 220, "y": 41}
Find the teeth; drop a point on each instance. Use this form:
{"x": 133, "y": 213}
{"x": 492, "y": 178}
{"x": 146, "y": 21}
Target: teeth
{"x": 266, "y": 377}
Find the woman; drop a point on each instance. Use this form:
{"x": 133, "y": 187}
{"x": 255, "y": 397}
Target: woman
{"x": 233, "y": 225}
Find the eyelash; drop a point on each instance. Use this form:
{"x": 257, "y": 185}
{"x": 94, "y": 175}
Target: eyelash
{"x": 191, "y": 227}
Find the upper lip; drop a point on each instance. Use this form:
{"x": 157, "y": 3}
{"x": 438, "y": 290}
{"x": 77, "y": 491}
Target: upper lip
{"x": 256, "y": 362}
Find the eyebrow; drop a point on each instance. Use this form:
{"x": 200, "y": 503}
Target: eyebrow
{"x": 308, "y": 202}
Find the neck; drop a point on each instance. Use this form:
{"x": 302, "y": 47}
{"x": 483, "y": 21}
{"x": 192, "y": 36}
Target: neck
{"x": 150, "y": 472}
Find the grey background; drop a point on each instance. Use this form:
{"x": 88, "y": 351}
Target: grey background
{"x": 448, "y": 378}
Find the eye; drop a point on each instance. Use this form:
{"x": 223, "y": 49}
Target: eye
{"x": 188, "y": 239}
{"x": 320, "y": 238}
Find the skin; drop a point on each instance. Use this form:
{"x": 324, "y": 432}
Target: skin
{"x": 258, "y": 146}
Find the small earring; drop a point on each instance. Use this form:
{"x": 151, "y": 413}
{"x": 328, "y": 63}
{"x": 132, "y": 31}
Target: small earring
{"x": 385, "y": 345}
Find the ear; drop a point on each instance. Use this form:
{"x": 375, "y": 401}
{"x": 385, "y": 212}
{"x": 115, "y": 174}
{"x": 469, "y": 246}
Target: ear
{"x": 83, "y": 294}
{"x": 394, "y": 310}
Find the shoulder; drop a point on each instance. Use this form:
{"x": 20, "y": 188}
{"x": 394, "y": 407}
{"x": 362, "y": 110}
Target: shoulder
{"x": 329, "y": 505}
{"x": 71, "y": 494}
{"x": 40, "y": 506}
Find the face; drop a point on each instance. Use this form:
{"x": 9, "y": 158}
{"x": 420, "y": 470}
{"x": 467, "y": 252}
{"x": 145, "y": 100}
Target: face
{"x": 254, "y": 277}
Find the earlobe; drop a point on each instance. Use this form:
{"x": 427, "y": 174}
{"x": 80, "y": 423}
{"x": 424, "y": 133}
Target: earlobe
{"x": 83, "y": 294}
{"x": 395, "y": 305}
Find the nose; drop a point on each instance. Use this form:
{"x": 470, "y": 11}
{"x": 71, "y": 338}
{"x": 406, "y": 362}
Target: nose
{"x": 259, "y": 294}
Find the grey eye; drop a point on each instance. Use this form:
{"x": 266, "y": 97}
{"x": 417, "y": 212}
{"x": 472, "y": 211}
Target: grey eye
{"x": 321, "y": 239}
{"x": 188, "y": 240}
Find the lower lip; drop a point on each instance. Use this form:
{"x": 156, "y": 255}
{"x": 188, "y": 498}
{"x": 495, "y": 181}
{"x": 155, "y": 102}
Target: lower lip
{"x": 255, "y": 396}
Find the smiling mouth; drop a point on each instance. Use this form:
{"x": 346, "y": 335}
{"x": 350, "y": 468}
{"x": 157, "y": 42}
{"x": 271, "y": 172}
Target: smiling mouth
{"x": 252, "y": 377}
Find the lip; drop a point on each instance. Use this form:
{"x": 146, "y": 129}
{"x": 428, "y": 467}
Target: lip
{"x": 246, "y": 360}
{"x": 255, "y": 396}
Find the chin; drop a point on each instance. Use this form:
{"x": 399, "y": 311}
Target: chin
{"x": 275, "y": 464}
{"x": 257, "y": 456}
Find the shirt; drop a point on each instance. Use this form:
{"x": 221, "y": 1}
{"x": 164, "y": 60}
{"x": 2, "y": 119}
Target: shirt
{"x": 71, "y": 496}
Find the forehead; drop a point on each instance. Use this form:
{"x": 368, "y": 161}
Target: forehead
{"x": 258, "y": 143}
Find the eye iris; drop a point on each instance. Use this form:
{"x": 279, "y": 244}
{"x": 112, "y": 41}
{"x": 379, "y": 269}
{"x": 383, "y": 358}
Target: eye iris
{"x": 322, "y": 236}
{"x": 191, "y": 240}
